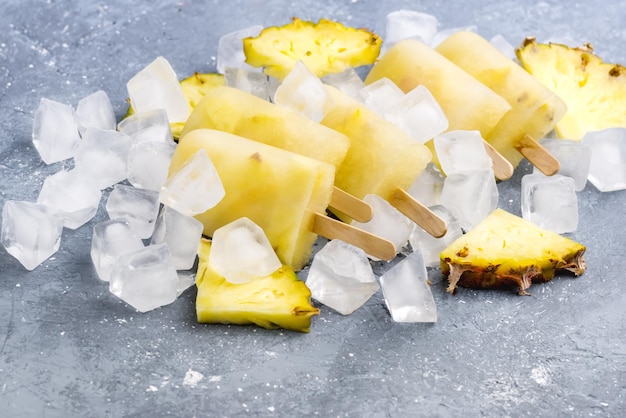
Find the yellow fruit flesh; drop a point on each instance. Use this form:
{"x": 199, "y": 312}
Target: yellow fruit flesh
{"x": 381, "y": 157}
{"x": 325, "y": 47}
{"x": 467, "y": 103}
{"x": 279, "y": 300}
{"x": 276, "y": 189}
{"x": 535, "y": 110}
{"x": 505, "y": 250}
{"x": 594, "y": 91}
{"x": 234, "y": 111}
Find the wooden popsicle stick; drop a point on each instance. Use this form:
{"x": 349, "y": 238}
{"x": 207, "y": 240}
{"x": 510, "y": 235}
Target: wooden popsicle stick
{"x": 502, "y": 168}
{"x": 352, "y": 206}
{"x": 373, "y": 245}
{"x": 418, "y": 213}
{"x": 538, "y": 155}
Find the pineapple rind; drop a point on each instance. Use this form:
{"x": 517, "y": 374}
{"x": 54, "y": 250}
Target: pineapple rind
{"x": 279, "y": 300}
{"x": 325, "y": 47}
{"x": 506, "y": 251}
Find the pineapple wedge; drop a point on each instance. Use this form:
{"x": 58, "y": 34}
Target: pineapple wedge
{"x": 325, "y": 47}
{"x": 504, "y": 251}
{"x": 594, "y": 91}
{"x": 279, "y": 300}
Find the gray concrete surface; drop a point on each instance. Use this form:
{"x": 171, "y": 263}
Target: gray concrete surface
{"x": 69, "y": 348}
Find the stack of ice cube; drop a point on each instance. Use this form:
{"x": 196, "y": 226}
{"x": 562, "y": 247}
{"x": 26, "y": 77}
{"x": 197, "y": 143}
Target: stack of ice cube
{"x": 469, "y": 190}
{"x": 341, "y": 277}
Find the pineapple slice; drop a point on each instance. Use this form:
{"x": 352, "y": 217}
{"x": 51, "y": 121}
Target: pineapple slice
{"x": 325, "y": 47}
{"x": 594, "y": 91}
{"x": 279, "y": 300}
{"x": 507, "y": 251}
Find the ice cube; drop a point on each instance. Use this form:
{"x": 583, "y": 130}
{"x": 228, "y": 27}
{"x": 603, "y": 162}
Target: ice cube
{"x": 503, "y": 45}
{"x": 407, "y": 294}
{"x": 109, "y": 240}
{"x": 381, "y": 96}
{"x": 574, "y": 159}
{"x": 186, "y": 279}
{"x": 430, "y": 246}
{"x": 102, "y": 155}
{"x": 55, "y": 131}
{"x": 461, "y": 150}
{"x": 148, "y": 164}
{"x": 427, "y": 187}
{"x": 230, "y": 49}
{"x": 145, "y": 278}
{"x": 95, "y": 111}
{"x": 182, "y": 234}
{"x": 387, "y": 222}
{"x": 241, "y": 252}
{"x": 470, "y": 196}
{"x": 607, "y": 170}
{"x": 139, "y": 206}
{"x": 347, "y": 81}
{"x": 195, "y": 187}
{"x": 252, "y": 82}
{"x": 418, "y": 114}
{"x": 341, "y": 277}
{"x": 75, "y": 195}
{"x": 303, "y": 92}
{"x": 149, "y": 126}
{"x": 550, "y": 202}
{"x": 404, "y": 24}
{"x": 30, "y": 232}
{"x": 157, "y": 87}
{"x": 442, "y": 35}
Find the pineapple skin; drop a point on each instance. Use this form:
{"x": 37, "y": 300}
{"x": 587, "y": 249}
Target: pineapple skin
{"x": 506, "y": 251}
{"x": 279, "y": 300}
{"x": 594, "y": 91}
{"x": 535, "y": 110}
{"x": 234, "y": 111}
{"x": 325, "y": 47}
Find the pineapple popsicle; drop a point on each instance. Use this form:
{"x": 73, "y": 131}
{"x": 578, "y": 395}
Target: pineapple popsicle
{"x": 234, "y": 111}
{"x": 382, "y": 159}
{"x": 282, "y": 192}
{"x": 535, "y": 109}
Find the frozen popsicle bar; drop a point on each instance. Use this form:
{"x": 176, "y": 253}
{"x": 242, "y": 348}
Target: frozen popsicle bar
{"x": 284, "y": 193}
{"x": 535, "y": 110}
{"x": 382, "y": 158}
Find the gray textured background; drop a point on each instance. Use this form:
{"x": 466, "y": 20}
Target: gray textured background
{"x": 69, "y": 348}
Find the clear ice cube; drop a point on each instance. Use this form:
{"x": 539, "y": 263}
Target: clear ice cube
{"x": 186, "y": 279}
{"x": 195, "y": 187}
{"x": 252, "y": 82}
{"x": 73, "y": 194}
{"x": 95, "y": 111}
{"x": 139, "y": 206}
{"x": 427, "y": 187}
{"x": 550, "y": 202}
{"x": 574, "y": 159}
{"x": 470, "y": 196}
{"x": 230, "y": 49}
{"x": 145, "y": 278}
{"x": 303, "y": 92}
{"x": 607, "y": 170}
{"x": 30, "y": 232}
{"x": 241, "y": 252}
{"x": 182, "y": 234}
{"x": 347, "y": 81}
{"x": 407, "y": 294}
{"x": 341, "y": 277}
{"x": 418, "y": 114}
{"x": 387, "y": 222}
{"x": 381, "y": 96}
{"x": 102, "y": 155}
{"x": 460, "y": 151}
{"x": 148, "y": 164}
{"x": 430, "y": 246}
{"x": 157, "y": 87}
{"x": 55, "y": 131}
{"x": 109, "y": 240}
{"x": 404, "y": 24}
{"x": 149, "y": 126}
